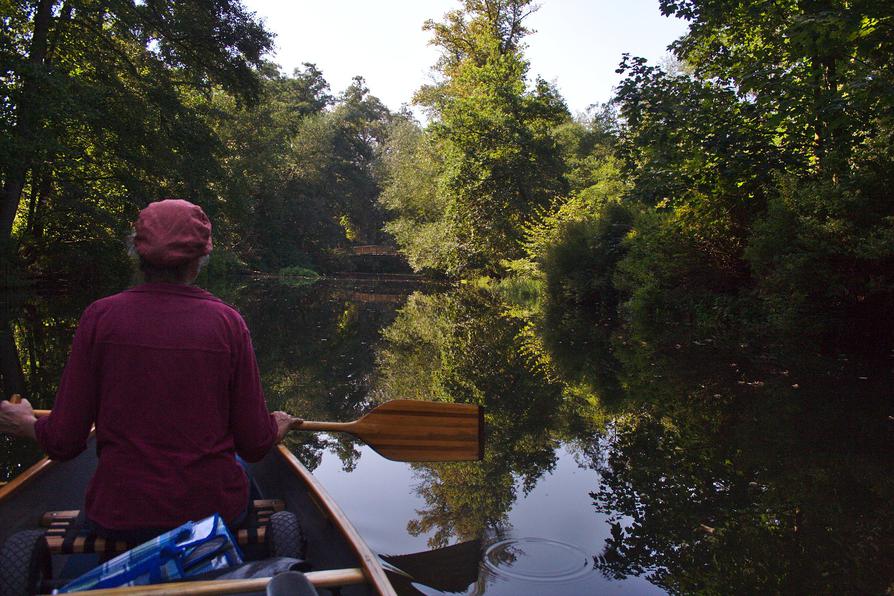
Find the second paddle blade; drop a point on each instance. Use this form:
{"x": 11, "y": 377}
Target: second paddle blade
{"x": 420, "y": 431}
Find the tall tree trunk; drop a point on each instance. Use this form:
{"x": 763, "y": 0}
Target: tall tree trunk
{"x": 32, "y": 205}
{"x": 43, "y": 179}
{"x": 27, "y": 120}
{"x": 819, "y": 125}
{"x": 837, "y": 142}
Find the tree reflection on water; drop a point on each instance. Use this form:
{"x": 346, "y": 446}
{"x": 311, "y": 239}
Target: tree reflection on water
{"x": 455, "y": 347}
{"x": 722, "y": 466}
{"x": 729, "y": 467}
{"x": 738, "y": 480}
{"x": 315, "y": 349}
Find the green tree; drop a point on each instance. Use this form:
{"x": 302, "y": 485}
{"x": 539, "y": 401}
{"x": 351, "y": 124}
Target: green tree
{"x": 104, "y": 109}
{"x": 694, "y": 149}
{"x": 820, "y": 71}
{"x": 412, "y": 164}
{"x": 760, "y": 170}
{"x": 577, "y": 244}
{"x": 300, "y": 170}
{"x": 331, "y": 188}
{"x": 363, "y": 123}
{"x": 500, "y": 161}
{"x": 259, "y": 143}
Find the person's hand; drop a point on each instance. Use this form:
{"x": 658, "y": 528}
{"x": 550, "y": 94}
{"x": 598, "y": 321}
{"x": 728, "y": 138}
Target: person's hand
{"x": 284, "y": 422}
{"x": 17, "y": 419}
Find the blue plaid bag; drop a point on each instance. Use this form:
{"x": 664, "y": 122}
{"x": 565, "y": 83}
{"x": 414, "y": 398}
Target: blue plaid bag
{"x": 192, "y": 549}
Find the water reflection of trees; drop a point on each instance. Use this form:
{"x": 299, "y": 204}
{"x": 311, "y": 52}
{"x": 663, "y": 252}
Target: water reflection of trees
{"x": 460, "y": 347}
{"x": 728, "y": 471}
{"x": 722, "y": 467}
{"x": 731, "y": 467}
{"x": 315, "y": 349}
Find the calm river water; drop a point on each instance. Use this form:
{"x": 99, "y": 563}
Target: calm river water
{"x": 612, "y": 465}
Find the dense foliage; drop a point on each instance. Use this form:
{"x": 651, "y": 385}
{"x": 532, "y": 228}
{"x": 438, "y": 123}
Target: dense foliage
{"x": 108, "y": 106}
{"x": 743, "y": 184}
{"x": 497, "y": 162}
{"x": 763, "y": 169}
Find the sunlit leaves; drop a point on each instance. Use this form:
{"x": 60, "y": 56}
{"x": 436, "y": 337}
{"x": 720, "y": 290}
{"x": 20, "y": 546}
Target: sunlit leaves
{"x": 113, "y": 111}
{"x": 497, "y": 161}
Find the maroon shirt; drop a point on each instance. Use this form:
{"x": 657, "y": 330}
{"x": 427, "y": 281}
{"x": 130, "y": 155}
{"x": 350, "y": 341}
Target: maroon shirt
{"x": 168, "y": 375}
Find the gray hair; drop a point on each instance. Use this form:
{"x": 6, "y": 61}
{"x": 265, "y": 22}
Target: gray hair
{"x": 150, "y": 270}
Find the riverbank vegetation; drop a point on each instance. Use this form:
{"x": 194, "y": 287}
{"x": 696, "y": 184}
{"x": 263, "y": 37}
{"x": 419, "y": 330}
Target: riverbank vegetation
{"x": 743, "y": 184}
{"x": 108, "y": 107}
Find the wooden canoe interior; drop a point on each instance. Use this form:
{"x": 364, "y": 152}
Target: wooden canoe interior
{"x": 61, "y": 486}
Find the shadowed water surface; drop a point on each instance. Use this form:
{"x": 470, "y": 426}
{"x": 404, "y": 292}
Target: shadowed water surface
{"x": 612, "y": 465}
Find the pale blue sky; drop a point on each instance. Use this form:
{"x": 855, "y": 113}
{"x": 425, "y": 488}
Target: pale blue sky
{"x": 577, "y": 43}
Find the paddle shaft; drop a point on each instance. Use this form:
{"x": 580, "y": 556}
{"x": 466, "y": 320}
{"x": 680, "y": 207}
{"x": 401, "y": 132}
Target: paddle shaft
{"x": 409, "y": 430}
{"x": 306, "y": 425}
{"x": 323, "y": 426}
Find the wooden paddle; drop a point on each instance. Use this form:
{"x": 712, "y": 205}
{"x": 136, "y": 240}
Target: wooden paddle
{"x": 410, "y": 430}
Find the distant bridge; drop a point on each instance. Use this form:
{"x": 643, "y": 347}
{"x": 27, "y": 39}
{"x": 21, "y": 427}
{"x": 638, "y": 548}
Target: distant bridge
{"x": 376, "y": 250}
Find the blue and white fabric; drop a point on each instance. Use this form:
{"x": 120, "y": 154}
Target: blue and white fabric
{"x": 192, "y": 549}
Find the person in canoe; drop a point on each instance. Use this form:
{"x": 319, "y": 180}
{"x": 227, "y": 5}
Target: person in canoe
{"x": 167, "y": 374}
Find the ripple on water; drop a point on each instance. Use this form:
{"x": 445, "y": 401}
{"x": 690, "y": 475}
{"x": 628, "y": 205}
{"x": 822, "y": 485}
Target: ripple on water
{"x": 537, "y": 559}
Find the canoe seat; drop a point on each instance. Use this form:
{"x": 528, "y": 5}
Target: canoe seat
{"x": 66, "y": 536}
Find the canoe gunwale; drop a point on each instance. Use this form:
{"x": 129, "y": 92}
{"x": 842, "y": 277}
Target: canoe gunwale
{"x": 369, "y": 561}
{"x": 25, "y": 477}
{"x": 33, "y": 472}
{"x": 329, "y": 578}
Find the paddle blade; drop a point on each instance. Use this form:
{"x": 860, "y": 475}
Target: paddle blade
{"x": 421, "y": 431}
